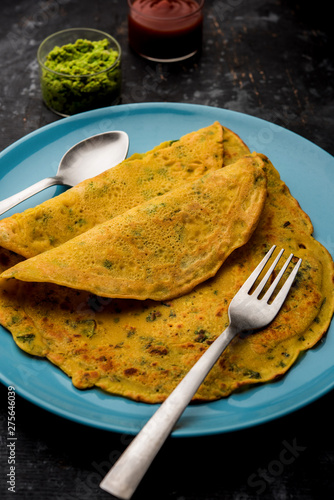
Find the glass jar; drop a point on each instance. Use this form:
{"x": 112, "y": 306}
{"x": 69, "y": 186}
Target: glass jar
{"x": 80, "y": 70}
{"x": 165, "y": 30}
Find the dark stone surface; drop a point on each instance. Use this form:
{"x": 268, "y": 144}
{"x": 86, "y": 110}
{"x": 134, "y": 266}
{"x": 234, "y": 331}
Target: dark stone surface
{"x": 268, "y": 58}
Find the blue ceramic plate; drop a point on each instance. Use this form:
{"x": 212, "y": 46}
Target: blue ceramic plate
{"x": 309, "y": 173}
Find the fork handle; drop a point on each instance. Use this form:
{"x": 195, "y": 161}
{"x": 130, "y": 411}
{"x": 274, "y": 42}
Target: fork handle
{"x": 17, "y": 198}
{"x": 124, "y": 477}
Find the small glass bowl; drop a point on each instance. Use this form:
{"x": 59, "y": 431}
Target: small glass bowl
{"x": 165, "y": 37}
{"x": 67, "y": 94}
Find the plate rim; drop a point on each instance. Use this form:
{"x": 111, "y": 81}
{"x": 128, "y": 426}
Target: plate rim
{"x": 166, "y": 106}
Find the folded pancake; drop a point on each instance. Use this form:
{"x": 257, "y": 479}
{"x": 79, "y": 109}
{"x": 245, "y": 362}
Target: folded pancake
{"x": 134, "y": 181}
{"x": 12, "y": 314}
{"x": 162, "y": 248}
{"x": 142, "y": 349}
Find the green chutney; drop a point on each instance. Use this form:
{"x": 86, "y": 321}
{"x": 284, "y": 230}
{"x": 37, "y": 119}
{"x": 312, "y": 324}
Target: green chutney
{"x": 83, "y": 75}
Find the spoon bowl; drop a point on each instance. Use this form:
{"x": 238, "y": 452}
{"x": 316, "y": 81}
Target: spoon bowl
{"x": 82, "y": 161}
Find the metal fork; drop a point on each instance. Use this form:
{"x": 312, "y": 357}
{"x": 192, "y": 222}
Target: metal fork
{"x": 246, "y": 312}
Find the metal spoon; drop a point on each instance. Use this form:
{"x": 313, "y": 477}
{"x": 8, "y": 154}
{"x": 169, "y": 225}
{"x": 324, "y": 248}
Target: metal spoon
{"x": 85, "y": 159}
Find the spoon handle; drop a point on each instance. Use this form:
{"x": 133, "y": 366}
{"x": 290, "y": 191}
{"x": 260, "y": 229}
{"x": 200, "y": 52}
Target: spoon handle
{"x": 26, "y": 193}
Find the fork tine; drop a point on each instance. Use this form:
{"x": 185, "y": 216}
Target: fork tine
{"x": 264, "y": 280}
{"x": 257, "y": 271}
{"x": 272, "y": 287}
{"x": 280, "y": 298}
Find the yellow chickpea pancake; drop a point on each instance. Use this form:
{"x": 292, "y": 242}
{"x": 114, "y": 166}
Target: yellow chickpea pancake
{"x": 132, "y": 182}
{"x": 142, "y": 349}
{"x": 164, "y": 247}
{"x": 12, "y": 314}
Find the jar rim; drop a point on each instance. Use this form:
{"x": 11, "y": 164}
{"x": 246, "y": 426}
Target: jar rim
{"x": 159, "y": 18}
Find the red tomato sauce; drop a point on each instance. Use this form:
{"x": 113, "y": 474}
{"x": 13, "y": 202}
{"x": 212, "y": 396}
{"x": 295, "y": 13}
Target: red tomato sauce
{"x": 165, "y": 29}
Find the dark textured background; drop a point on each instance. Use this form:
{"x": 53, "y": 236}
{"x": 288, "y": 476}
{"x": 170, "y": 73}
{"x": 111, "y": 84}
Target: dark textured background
{"x": 272, "y": 59}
